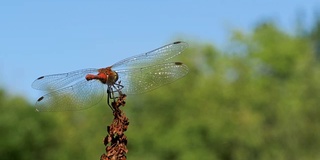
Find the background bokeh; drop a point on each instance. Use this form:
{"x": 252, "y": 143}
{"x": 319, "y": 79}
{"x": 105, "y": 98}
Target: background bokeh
{"x": 252, "y": 91}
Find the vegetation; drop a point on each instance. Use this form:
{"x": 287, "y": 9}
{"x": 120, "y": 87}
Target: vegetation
{"x": 259, "y": 99}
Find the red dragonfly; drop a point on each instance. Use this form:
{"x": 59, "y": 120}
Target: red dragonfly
{"x": 84, "y": 88}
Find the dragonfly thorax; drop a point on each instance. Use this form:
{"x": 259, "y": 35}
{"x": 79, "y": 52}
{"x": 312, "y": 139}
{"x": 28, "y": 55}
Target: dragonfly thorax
{"x": 105, "y": 76}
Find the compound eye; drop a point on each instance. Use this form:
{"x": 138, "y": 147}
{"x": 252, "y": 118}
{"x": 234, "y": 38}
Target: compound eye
{"x": 116, "y": 77}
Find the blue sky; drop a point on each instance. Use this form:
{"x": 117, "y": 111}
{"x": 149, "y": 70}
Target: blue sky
{"x": 46, "y": 37}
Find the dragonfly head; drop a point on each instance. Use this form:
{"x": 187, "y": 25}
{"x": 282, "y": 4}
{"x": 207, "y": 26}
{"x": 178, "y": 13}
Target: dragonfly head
{"x": 112, "y": 78}
{"x": 107, "y": 76}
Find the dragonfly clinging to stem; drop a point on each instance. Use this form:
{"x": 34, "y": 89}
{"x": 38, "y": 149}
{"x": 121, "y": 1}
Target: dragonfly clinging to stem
{"x": 84, "y": 88}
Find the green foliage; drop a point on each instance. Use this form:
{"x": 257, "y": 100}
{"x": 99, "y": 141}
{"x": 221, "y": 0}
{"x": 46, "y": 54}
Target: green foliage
{"x": 256, "y": 100}
{"x": 27, "y": 134}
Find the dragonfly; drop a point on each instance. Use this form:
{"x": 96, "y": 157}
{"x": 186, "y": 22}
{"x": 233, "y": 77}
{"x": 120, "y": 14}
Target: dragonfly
{"x": 81, "y": 89}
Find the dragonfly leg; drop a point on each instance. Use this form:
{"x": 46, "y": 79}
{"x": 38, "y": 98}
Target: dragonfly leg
{"x": 118, "y": 87}
{"x": 110, "y": 95}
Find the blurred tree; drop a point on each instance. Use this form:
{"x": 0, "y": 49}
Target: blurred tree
{"x": 27, "y": 134}
{"x": 315, "y": 35}
{"x": 258, "y": 100}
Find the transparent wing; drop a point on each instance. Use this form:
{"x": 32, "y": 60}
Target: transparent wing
{"x": 161, "y": 54}
{"x": 81, "y": 95}
{"x": 56, "y": 81}
{"x": 144, "y": 79}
